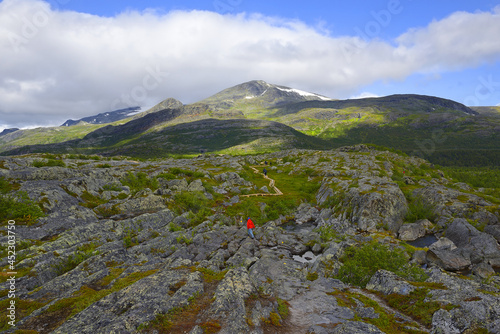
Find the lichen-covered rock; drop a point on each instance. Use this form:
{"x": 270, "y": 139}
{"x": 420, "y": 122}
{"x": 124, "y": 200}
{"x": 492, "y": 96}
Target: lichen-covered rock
{"x": 125, "y": 310}
{"x": 451, "y": 260}
{"x": 229, "y": 300}
{"x": 355, "y": 327}
{"x": 150, "y": 203}
{"x": 387, "y": 282}
{"x": 413, "y": 231}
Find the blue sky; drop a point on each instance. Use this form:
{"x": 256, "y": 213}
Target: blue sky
{"x": 65, "y": 59}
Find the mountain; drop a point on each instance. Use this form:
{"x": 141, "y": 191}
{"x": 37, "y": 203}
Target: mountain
{"x": 106, "y": 117}
{"x": 440, "y": 130}
{"x": 256, "y": 94}
{"x": 7, "y": 131}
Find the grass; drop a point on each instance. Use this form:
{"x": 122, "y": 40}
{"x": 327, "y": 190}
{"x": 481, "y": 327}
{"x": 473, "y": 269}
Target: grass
{"x": 73, "y": 260}
{"x": 419, "y": 208}
{"x": 64, "y": 309}
{"x": 23, "y": 309}
{"x": 18, "y": 206}
{"x": 386, "y": 322}
{"x": 49, "y": 163}
{"x": 183, "y": 319}
{"x": 361, "y": 262}
{"x": 91, "y": 201}
{"x": 416, "y": 305}
{"x": 139, "y": 181}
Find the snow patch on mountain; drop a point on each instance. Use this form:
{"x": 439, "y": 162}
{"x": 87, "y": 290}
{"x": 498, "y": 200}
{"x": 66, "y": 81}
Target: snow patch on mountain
{"x": 303, "y": 93}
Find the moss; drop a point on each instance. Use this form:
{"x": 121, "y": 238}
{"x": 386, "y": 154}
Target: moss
{"x": 23, "y": 309}
{"x": 275, "y": 319}
{"x": 211, "y": 327}
{"x": 86, "y": 296}
{"x": 283, "y": 308}
{"x": 312, "y": 276}
{"x": 415, "y": 305}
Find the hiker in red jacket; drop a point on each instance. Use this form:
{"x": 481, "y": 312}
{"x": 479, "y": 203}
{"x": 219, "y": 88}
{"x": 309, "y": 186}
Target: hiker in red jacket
{"x": 250, "y": 227}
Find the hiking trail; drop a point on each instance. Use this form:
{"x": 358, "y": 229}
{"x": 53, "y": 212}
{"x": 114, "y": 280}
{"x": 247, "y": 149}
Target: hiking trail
{"x": 271, "y": 185}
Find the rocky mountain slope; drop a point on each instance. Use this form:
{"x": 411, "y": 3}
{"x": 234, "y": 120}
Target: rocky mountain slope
{"x": 359, "y": 241}
{"x": 106, "y": 117}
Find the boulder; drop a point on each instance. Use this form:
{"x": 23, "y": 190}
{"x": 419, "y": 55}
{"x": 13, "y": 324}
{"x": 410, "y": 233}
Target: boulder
{"x": 485, "y": 217}
{"x": 412, "y": 231}
{"x": 448, "y": 260}
{"x": 229, "y": 300}
{"x": 493, "y": 230}
{"x": 178, "y": 185}
{"x": 196, "y": 185}
{"x": 443, "y": 244}
{"x": 149, "y": 203}
{"x": 374, "y": 209}
{"x": 387, "y": 282}
{"x": 461, "y": 232}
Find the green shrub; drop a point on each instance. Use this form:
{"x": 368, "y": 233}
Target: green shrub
{"x": 104, "y": 166}
{"x": 130, "y": 238}
{"x": 74, "y": 260}
{"x": 182, "y": 239}
{"x": 5, "y": 186}
{"x": 112, "y": 187}
{"x": 91, "y": 201}
{"x": 107, "y": 212}
{"x": 360, "y": 263}
{"x": 327, "y": 233}
{"x": 19, "y": 207}
{"x": 139, "y": 181}
{"x": 419, "y": 208}
{"x": 191, "y": 201}
{"x": 275, "y": 319}
{"x": 415, "y": 305}
{"x": 49, "y": 163}
{"x": 173, "y": 227}
{"x": 279, "y": 206}
{"x": 186, "y": 172}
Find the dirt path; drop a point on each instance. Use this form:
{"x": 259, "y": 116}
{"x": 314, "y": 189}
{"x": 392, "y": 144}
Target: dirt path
{"x": 271, "y": 185}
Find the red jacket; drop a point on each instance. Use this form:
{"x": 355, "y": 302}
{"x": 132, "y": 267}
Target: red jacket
{"x": 250, "y": 223}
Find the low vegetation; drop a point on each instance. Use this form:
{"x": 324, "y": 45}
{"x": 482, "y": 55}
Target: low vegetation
{"x": 361, "y": 262}
{"x": 17, "y": 206}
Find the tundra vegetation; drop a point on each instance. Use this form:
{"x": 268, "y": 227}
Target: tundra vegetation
{"x": 362, "y": 239}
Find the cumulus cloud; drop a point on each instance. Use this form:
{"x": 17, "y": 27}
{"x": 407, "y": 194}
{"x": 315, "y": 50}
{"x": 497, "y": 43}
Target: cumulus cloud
{"x": 63, "y": 64}
{"x": 364, "y": 95}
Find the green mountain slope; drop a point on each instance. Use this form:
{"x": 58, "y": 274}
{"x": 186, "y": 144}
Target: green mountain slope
{"x": 138, "y": 140}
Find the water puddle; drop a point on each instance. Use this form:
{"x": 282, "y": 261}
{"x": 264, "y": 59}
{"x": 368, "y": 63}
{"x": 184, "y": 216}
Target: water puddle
{"x": 425, "y": 241}
{"x": 292, "y": 226}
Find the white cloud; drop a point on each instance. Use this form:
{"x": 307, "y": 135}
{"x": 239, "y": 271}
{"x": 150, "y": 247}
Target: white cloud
{"x": 60, "y": 64}
{"x": 364, "y": 95}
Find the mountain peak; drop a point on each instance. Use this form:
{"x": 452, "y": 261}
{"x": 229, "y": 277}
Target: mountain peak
{"x": 260, "y": 93}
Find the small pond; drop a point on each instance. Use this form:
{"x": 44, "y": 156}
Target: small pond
{"x": 292, "y": 226}
{"x": 425, "y": 241}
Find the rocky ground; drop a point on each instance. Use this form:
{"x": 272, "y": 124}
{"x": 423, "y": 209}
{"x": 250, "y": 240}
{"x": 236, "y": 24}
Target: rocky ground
{"x": 122, "y": 246}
